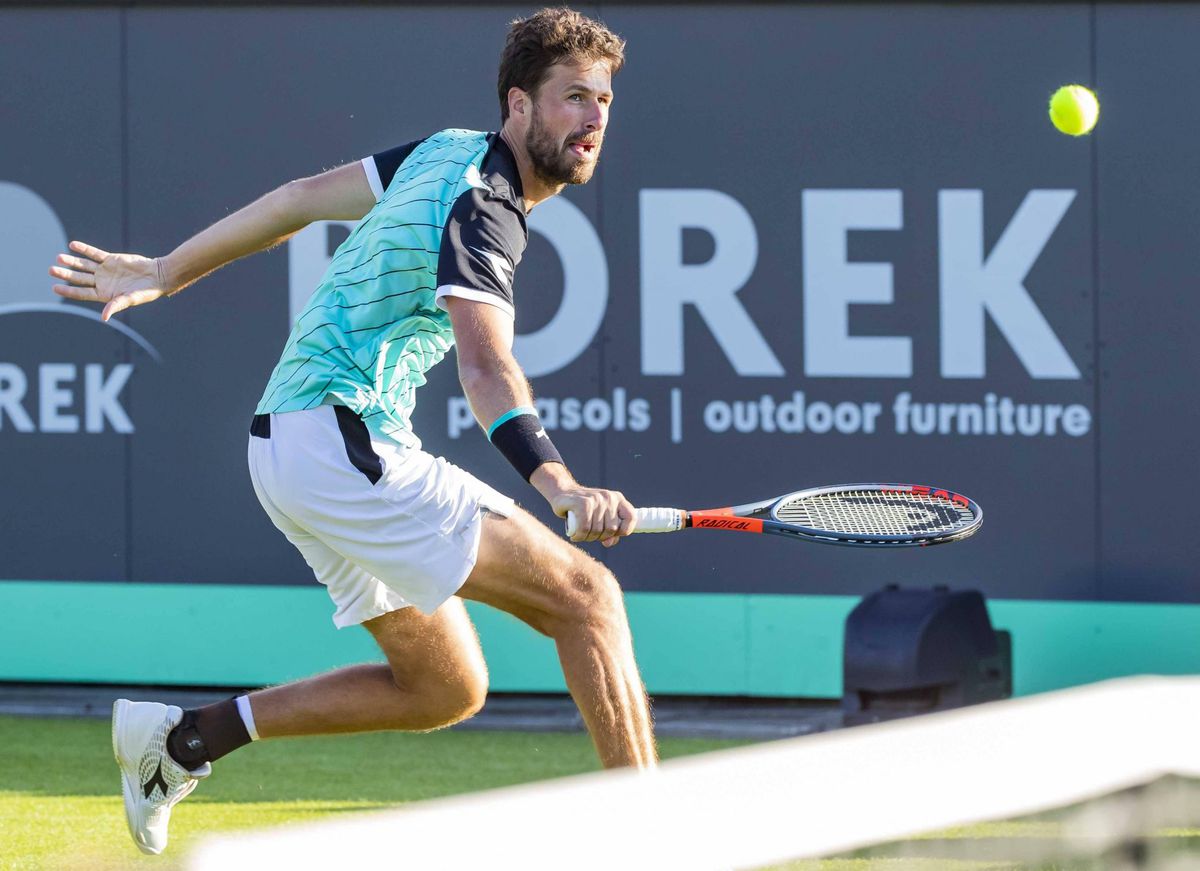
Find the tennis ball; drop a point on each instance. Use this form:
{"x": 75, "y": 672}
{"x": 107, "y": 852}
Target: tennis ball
{"x": 1074, "y": 110}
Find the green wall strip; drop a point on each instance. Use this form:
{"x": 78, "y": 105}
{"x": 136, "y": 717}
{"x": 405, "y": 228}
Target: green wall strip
{"x": 717, "y": 644}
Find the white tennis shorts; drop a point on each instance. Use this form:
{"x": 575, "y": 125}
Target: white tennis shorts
{"x": 383, "y": 526}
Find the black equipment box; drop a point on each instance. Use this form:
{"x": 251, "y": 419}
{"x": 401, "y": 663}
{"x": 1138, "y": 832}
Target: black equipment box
{"x": 912, "y": 650}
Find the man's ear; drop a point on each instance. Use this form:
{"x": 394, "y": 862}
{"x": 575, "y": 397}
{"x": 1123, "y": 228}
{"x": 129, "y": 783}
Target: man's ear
{"x": 518, "y": 101}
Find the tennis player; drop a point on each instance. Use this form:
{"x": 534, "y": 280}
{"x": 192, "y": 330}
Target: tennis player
{"x": 400, "y": 537}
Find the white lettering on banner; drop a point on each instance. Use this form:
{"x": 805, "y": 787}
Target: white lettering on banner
{"x": 585, "y": 290}
{"x": 459, "y": 417}
{"x": 12, "y": 390}
{"x": 832, "y": 283}
{"x": 994, "y": 416}
{"x": 794, "y": 415}
{"x": 668, "y": 284}
{"x": 615, "y": 413}
{"x": 101, "y": 398}
{"x": 972, "y": 285}
{"x": 799, "y": 414}
{"x": 52, "y": 398}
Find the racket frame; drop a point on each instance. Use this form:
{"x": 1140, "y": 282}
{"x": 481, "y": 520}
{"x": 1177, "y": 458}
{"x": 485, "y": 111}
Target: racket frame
{"x": 762, "y": 517}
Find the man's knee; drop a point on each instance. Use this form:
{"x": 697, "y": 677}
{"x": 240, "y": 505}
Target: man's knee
{"x": 441, "y": 700}
{"x": 591, "y": 599}
{"x": 464, "y": 698}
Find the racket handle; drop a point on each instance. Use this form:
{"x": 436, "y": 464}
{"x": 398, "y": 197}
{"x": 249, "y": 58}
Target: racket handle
{"x": 648, "y": 520}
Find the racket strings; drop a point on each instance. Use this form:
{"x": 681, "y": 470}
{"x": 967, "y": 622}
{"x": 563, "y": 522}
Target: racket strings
{"x": 876, "y": 512}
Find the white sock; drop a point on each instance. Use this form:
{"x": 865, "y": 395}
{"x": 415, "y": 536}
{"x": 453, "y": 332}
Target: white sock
{"x": 243, "y": 706}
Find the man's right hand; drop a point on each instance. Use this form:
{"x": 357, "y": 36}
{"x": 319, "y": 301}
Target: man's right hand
{"x": 600, "y": 515}
{"x": 120, "y": 281}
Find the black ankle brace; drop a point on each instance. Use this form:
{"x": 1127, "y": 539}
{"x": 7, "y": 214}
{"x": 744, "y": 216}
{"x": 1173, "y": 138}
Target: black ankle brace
{"x": 185, "y": 745}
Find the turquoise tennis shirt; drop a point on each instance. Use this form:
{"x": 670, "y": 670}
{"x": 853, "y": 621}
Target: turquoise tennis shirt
{"x": 449, "y": 221}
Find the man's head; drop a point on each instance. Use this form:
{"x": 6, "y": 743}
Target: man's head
{"x": 555, "y": 87}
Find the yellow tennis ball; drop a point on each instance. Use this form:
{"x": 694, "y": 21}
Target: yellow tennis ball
{"x": 1074, "y": 110}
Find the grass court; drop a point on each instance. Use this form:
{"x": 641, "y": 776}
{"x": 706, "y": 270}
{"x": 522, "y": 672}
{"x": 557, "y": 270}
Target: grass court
{"x": 61, "y": 810}
{"x": 60, "y": 791}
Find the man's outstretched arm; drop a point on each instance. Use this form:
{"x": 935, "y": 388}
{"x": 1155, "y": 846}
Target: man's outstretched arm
{"x": 121, "y": 281}
{"x": 495, "y": 386}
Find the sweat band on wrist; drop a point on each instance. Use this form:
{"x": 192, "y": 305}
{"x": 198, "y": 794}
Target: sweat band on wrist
{"x": 519, "y": 435}
{"x": 509, "y": 415}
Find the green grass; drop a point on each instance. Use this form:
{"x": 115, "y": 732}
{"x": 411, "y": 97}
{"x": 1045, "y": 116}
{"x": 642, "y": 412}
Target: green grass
{"x": 60, "y": 793}
{"x": 60, "y": 801}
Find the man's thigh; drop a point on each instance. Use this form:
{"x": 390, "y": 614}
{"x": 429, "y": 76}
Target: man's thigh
{"x": 438, "y": 648}
{"x": 527, "y": 570}
{"x": 411, "y": 526}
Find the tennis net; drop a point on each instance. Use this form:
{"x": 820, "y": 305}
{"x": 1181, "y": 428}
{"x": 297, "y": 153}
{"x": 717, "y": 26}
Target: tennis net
{"x": 1105, "y": 776}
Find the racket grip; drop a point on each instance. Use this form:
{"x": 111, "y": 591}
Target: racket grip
{"x": 660, "y": 519}
{"x": 648, "y": 520}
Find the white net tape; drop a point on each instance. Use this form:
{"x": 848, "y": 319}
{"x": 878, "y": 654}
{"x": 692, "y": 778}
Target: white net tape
{"x": 804, "y": 797}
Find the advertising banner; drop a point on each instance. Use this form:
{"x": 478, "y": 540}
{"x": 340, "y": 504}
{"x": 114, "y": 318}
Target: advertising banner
{"x": 826, "y": 244}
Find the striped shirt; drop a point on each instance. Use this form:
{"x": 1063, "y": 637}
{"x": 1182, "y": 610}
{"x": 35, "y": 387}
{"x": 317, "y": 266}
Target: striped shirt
{"x": 449, "y": 221}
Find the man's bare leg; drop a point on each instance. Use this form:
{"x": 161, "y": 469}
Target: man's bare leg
{"x": 525, "y": 569}
{"x": 435, "y": 676}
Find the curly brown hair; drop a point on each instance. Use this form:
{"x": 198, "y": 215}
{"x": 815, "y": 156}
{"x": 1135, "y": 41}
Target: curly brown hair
{"x": 548, "y": 37}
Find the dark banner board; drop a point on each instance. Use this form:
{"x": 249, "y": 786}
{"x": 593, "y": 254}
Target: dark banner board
{"x": 827, "y": 244}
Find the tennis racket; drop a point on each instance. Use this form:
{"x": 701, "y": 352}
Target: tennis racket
{"x": 859, "y": 515}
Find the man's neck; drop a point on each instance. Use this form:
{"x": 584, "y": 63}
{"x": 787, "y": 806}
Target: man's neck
{"x": 533, "y": 189}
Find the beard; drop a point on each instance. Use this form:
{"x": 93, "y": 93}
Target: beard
{"x": 551, "y": 160}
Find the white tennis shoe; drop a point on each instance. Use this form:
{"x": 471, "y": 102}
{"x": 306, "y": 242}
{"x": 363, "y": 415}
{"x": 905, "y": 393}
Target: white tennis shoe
{"x": 151, "y": 780}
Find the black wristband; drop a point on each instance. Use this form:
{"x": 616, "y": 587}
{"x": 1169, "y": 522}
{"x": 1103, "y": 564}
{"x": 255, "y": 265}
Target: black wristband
{"x": 524, "y": 443}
